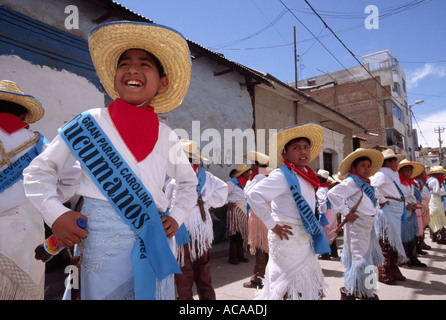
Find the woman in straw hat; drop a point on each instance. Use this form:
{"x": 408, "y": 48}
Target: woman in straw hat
{"x": 193, "y": 257}
{"x": 146, "y": 69}
{"x": 437, "y": 224}
{"x": 237, "y": 216}
{"x": 21, "y": 225}
{"x": 390, "y": 214}
{"x": 295, "y": 236}
{"x": 257, "y": 232}
{"x": 355, "y": 199}
{"x": 407, "y": 171}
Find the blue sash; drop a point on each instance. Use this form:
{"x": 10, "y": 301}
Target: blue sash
{"x": 311, "y": 225}
{"x": 151, "y": 254}
{"x": 14, "y": 172}
{"x": 404, "y": 216}
{"x": 368, "y": 189}
{"x": 417, "y": 194}
{"x": 201, "y": 176}
{"x": 235, "y": 181}
{"x": 425, "y": 184}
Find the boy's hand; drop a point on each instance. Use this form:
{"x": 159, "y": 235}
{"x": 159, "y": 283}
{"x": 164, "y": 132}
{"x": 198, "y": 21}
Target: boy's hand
{"x": 351, "y": 217}
{"x": 170, "y": 226}
{"x": 66, "y": 231}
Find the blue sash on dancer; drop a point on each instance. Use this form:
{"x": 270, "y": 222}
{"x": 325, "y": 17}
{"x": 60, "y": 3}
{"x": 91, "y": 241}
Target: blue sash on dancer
{"x": 368, "y": 189}
{"x": 417, "y": 194}
{"x": 201, "y": 176}
{"x": 404, "y": 216}
{"x": 311, "y": 225}
{"x": 151, "y": 254}
{"x": 14, "y": 172}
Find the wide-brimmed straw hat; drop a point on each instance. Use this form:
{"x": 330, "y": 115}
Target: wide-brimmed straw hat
{"x": 191, "y": 150}
{"x": 108, "y": 41}
{"x": 312, "y": 131}
{"x": 375, "y": 156}
{"x": 418, "y": 168}
{"x": 389, "y": 153}
{"x": 323, "y": 173}
{"x": 241, "y": 169}
{"x": 10, "y": 91}
{"x": 437, "y": 170}
{"x": 257, "y": 156}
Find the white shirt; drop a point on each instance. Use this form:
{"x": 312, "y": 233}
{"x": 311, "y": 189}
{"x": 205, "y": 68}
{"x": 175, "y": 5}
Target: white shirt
{"x": 235, "y": 193}
{"x": 435, "y": 187}
{"x": 275, "y": 189}
{"x": 345, "y": 196}
{"x": 382, "y": 181}
{"x": 167, "y": 157}
{"x": 322, "y": 199}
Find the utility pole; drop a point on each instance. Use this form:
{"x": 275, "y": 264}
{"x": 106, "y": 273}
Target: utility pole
{"x": 295, "y": 58}
{"x": 440, "y": 151}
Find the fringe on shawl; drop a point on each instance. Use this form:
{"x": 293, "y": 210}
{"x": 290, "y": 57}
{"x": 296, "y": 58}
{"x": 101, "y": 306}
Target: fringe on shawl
{"x": 361, "y": 276}
{"x": 409, "y": 229}
{"x": 237, "y": 221}
{"x": 437, "y": 214}
{"x": 15, "y": 284}
{"x": 257, "y": 234}
{"x": 386, "y": 230}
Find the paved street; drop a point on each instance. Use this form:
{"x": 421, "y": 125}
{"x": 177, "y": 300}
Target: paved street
{"x": 421, "y": 284}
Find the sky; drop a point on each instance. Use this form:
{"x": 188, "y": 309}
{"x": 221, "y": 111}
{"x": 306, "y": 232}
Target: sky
{"x": 259, "y": 34}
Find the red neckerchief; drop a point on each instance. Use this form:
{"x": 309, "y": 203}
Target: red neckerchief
{"x": 307, "y": 175}
{"x": 253, "y": 174}
{"x": 440, "y": 178}
{"x": 362, "y": 178}
{"x": 242, "y": 181}
{"x": 405, "y": 181}
{"x": 137, "y": 126}
{"x": 195, "y": 167}
{"x": 324, "y": 185}
{"x": 11, "y": 123}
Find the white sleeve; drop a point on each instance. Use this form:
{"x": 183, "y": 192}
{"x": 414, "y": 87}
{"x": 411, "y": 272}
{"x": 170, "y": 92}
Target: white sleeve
{"x": 215, "y": 192}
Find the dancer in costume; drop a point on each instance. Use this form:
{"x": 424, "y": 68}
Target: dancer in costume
{"x": 194, "y": 257}
{"x": 295, "y": 236}
{"x": 436, "y": 183}
{"x": 407, "y": 171}
{"x": 355, "y": 199}
{"x": 125, "y": 154}
{"x": 390, "y": 216}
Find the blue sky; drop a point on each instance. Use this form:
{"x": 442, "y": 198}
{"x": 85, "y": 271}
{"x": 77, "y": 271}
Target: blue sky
{"x": 259, "y": 34}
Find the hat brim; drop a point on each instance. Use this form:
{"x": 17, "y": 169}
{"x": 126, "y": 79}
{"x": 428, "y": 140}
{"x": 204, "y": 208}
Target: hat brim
{"x": 238, "y": 174}
{"x": 34, "y": 107}
{"x": 109, "y": 41}
{"x": 195, "y": 156}
{"x": 437, "y": 170}
{"x": 375, "y": 156}
{"x": 257, "y": 156}
{"x": 399, "y": 157}
{"x": 418, "y": 168}
{"x": 312, "y": 131}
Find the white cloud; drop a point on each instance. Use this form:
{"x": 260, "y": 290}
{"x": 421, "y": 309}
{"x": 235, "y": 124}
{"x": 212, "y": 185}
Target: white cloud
{"x": 427, "y": 70}
{"x": 427, "y": 124}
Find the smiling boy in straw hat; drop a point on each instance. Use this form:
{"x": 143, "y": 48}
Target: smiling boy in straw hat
{"x": 436, "y": 183}
{"x": 125, "y": 153}
{"x": 392, "y": 212}
{"x": 237, "y": 217}
{"x": 21, "y": 225}
{"x": 194, "y": 257}
{"x": 355, "y": 199}
{"x": 295, "y": 236}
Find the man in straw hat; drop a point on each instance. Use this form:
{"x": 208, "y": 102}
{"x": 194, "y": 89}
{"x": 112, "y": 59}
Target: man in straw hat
{"x": 21, "y": 225}
{"x": 125, "y": 153}
{"x": 257, "y": 232}
{"x": 194, "y": 257}
{"x": 436, "y": 183}
{"x": 355, "y": 199}
{"x": 237, "y": 217}
{"x": 295, "y": 235}
{"x": 407, "y": 171}
{"x": 392, "y": 212}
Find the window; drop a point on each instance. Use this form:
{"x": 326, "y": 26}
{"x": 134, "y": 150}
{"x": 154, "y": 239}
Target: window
{"x": 396, "y": 88}
{"x": 396, "y": 111}
{"x": 404, "y": 85}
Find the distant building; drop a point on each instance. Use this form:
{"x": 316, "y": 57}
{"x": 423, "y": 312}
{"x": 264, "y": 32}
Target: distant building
{"x": 378, "y": 103}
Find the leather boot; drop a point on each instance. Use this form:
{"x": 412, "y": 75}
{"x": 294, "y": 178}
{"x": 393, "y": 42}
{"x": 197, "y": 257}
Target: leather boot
{"x": 383, "y": 271}
{"x": 394, "y": 271}
{"x": 185, "y": 280}
{"x": 345, "y": 295}
{"x": 413, "y": 255}
{"x": 202, "y": 276}
{"x": 233, "y": 250}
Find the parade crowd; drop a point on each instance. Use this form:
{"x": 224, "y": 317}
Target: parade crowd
{"x": 149, "y": 220}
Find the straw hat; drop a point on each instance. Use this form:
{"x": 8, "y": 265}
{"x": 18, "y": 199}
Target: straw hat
{"x": 312, "y": 131}
{"x": 418, "y": 168}
{"x": 375, "y": 156}
{"x": 191, "y": 150}
{"x": 241, "y": 169}
{"x": 323, "y": 174}
{"x": 437, "y": 170}
{"x": 389, "y": 153}
{"x": 108, "y": 41}
{"x": 10, "y": 91}
{"x": 257, "y": 156}
{"x": 338, "y": 177}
